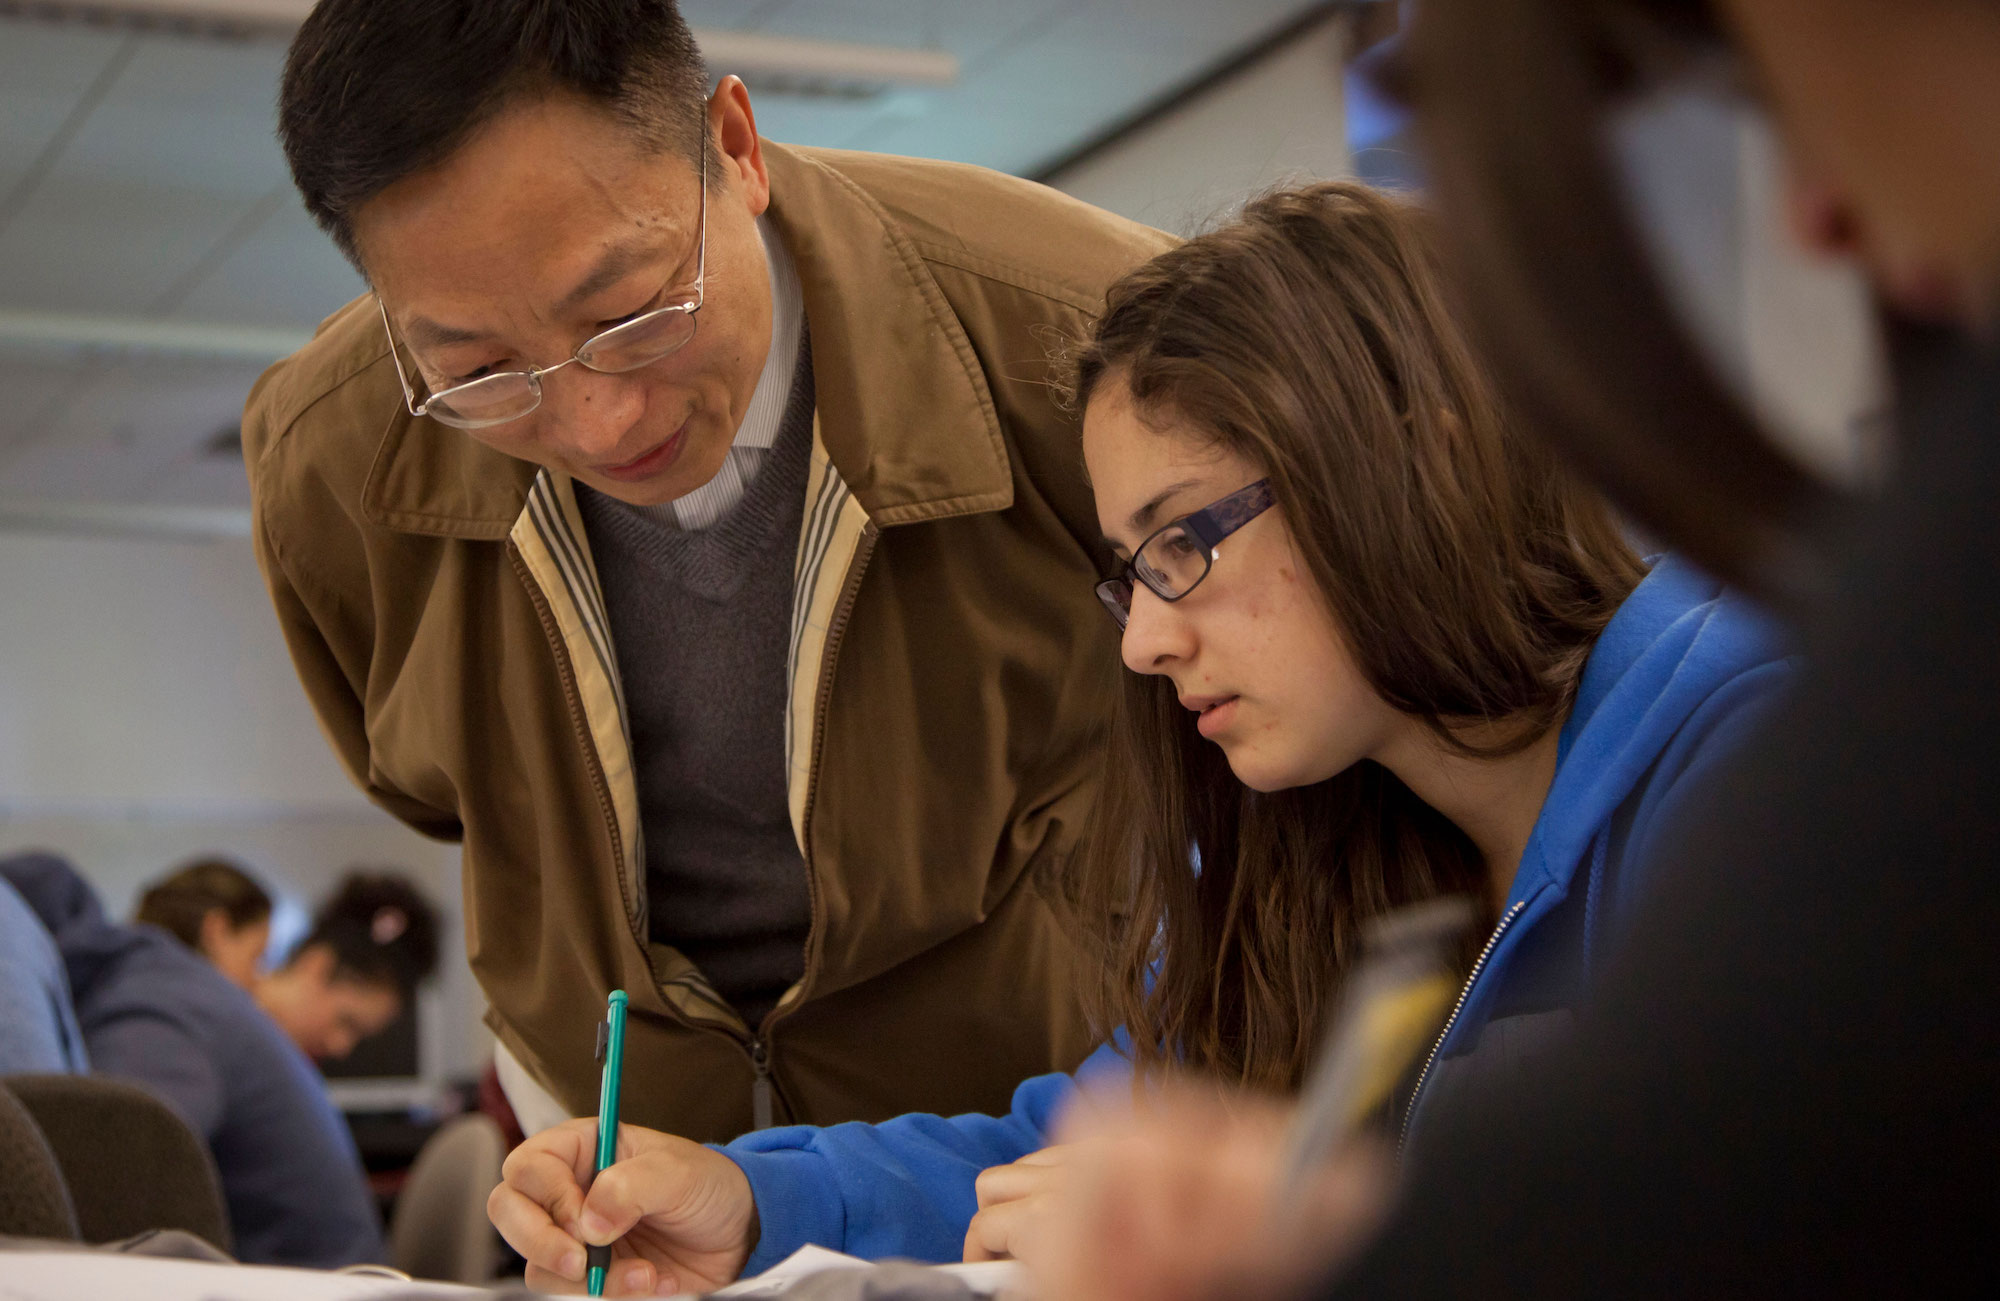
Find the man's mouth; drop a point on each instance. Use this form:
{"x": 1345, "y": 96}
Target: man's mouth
{"x": 649, "y": 463}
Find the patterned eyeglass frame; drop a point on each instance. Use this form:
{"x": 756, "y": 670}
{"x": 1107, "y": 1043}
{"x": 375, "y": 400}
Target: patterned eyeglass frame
{"x": 1209, "y": 525}
{"x": 534, "y": 373}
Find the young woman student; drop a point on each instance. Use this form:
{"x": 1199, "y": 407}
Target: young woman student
{"x": 1380, "y": 649}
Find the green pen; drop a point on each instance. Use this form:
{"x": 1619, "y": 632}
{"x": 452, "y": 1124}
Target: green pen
{"x": 610, "y": 1051}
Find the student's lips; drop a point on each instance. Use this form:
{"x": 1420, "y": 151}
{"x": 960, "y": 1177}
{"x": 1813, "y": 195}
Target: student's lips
{"x": 650, "y": 464}
{"x": 1217, "y": 712}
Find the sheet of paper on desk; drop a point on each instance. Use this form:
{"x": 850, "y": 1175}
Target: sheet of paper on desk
{"x": 106, "y": 1276}
{"x": 986, "y": 1279}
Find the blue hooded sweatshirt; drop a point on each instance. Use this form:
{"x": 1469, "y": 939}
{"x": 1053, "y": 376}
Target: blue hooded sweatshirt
{"x": 159, "y": 1015}
{"x": 1681, "y": 674}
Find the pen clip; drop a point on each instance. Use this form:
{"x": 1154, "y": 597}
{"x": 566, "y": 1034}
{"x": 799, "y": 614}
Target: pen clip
{"x": 603, "y": 1040}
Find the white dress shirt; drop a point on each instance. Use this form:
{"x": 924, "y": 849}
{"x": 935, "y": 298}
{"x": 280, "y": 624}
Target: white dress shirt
{"x": 714, "y": 499}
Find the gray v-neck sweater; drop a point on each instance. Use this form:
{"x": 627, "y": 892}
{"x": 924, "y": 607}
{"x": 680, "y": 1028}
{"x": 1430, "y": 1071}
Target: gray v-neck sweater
{"x": 701, "y": 622}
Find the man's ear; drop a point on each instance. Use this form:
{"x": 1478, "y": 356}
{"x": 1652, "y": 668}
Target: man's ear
{"x": 733, "y": 126}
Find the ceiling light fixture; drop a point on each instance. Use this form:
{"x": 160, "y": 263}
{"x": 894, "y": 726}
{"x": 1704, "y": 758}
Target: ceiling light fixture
{"x": 837, "y": 63}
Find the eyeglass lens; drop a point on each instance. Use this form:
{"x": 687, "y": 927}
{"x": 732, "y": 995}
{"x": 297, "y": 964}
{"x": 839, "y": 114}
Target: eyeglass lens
{"x": 1172, "y": 561}
{"x": 500, "y": 398}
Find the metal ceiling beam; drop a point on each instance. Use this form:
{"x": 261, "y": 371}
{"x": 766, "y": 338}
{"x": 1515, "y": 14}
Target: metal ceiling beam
{"x": 747, "y": 53}
{"x": 72, "y": 333}
{"x": 125, "y": 519}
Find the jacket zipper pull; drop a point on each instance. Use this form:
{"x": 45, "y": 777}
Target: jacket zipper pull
{"x": 760, "y": 1086}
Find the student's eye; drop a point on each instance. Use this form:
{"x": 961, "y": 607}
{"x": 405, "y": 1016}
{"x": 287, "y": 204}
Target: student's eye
{"x": 1179, "y": 543}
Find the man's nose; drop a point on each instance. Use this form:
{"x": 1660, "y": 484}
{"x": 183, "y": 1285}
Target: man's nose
{"x": 593, "y": 413}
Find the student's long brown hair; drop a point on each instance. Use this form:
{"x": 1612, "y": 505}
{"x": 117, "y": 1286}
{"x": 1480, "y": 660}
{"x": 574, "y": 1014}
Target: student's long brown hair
{"x": 1467, "y": 574}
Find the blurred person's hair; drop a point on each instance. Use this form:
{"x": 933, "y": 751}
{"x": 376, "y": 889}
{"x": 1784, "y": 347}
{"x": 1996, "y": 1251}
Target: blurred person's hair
{"x": 377, "y": 90}
{"x": 1559, "y": 288}
{"x": 381, "y": 931}
{"x": 1467, "y": 574}
{"x": 178, "y": 902}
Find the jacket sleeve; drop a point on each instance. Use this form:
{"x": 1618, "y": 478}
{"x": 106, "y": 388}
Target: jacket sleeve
{"x": 330, "y": 643}
{"x": 902, "y": 1188}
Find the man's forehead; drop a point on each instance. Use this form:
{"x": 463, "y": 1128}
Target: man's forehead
{"x": 540, "y": 196}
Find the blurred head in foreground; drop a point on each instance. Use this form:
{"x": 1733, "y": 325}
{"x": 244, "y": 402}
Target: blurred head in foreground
{"x": 1887, "y": 114}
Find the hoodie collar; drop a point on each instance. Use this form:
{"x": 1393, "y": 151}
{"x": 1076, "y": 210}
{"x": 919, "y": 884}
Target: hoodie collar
{"x": 905, "y": 412}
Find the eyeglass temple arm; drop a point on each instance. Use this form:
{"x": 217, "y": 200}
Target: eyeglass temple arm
{"x": 409, "y": 396}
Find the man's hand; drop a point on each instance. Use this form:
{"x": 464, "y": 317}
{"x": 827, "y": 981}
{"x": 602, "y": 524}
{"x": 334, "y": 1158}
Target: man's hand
{"x": 1178, "y": 1200}
{"x": 1013, "y": 1199}
{"x": 681, "y": 1216}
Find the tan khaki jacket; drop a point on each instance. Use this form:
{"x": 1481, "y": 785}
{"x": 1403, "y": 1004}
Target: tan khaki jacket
{"x": 950, "y": 669}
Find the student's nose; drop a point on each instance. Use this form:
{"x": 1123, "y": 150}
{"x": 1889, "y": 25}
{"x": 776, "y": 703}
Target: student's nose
{"x": 593, "y": 414}
{"x": 1157, "y": 633}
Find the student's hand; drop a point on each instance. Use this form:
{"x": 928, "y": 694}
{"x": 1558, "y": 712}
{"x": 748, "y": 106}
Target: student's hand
{"x": 681, "y": 1215}
{"x": 1176, "y": 1199}
{"x": 1012, "y": 1201}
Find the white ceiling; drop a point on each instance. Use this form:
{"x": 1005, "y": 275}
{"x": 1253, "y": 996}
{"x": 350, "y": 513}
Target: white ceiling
{"x": 140, "y": 182}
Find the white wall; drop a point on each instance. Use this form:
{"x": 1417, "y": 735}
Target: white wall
{"x": 1276, "y": 121}
{"x": 148, "y": 712}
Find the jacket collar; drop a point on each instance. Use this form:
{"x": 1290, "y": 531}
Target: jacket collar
{"x": 905, "y": 411}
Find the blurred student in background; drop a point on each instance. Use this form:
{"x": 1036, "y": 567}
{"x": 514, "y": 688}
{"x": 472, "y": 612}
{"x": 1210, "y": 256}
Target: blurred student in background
{"x": 1379, "y": 648}
{"x": 218, "y": 910}
{"x": 373, "y": 941}
{"x": 38, "y": 1030}
{"x": 157, "y": 1014}
{"x": 1787, "y": 1084}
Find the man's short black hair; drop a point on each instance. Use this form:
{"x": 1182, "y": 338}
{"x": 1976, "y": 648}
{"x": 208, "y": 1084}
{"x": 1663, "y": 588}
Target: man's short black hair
{"x": 376, "y": 90}
{"x": 381, "y": 931}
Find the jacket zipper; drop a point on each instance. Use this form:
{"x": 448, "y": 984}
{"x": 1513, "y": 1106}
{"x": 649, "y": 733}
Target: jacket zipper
{"x": 1465, "y": 992}
{"x": 573, "y": 701}
{"x": 762, "y": 1086}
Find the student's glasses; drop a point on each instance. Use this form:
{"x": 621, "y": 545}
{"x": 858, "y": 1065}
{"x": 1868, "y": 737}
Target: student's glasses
{"x": 1178, "y": 555}
{"x": 510, "y": 394}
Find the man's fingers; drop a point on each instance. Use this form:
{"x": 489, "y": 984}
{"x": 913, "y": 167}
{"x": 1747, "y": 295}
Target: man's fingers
{"x": 540, "y": 1280}
{"x": 658, "y": 1183}
{"x": 624, "y": 1278}
{"x": 543, "y": 1177}
{"x": 573, "y": 1143}
{"x": 527, "y": 1228}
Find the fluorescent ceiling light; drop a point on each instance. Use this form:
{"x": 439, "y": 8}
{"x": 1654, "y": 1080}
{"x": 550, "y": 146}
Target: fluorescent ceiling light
{"x": 746, "y": 53}
{"x": 67, "y": 332}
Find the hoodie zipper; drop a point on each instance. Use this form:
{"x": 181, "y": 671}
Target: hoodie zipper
{"x": 1410, "y": 1112}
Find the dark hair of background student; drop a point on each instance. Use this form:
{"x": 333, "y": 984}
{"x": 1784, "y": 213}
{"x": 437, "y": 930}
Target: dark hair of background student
{"x": 1558, "y": 288}
{"x": 1467, "y": 573}
{"x": 377, "y": 90}
{"x": 179, "y": 902}
{"x": 381, "y": 932}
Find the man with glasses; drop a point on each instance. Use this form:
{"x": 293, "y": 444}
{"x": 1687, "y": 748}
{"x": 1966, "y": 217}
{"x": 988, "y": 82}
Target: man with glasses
{"x": 685, "y": 522}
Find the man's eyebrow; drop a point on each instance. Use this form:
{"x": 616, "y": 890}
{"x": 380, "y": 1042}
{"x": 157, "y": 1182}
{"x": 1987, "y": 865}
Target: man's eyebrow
{"x": 617, "y": 263}
{"x": 423, "y": 330}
